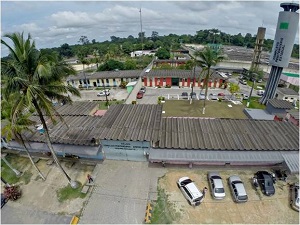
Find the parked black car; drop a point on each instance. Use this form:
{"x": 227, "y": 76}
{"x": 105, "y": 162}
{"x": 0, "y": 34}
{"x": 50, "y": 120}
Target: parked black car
{"x": 185, "y": 95}
{"x": 266, "y": 182}
{"x": 193, "y": 94}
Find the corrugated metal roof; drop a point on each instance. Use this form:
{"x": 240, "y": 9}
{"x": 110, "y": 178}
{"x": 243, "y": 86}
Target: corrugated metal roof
{"x": 228, "y": 134}
{"x": 280, "y": 104}
{"x": 132, "y": 122}
{"x": 215, "y": 156}
{"x": 181, "y": 73}
{"x": 106, "y": 74}
{"x": 294, "y": 114}
{"x": 292, "y": 162}
{"x": 76, "y": 109}
{"x": 287, "y": 91}
{"x": 77, "y": 130}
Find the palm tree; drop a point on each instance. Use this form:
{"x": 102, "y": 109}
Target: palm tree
{"x": 16, "y": 122}
{"x": 207, "y": 58}
{"x": 38, "y": 77}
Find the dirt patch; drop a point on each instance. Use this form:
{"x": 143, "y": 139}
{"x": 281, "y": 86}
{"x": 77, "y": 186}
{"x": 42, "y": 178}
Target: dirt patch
{"x": 42, "y": 195}
{"x": 259, "y": 208}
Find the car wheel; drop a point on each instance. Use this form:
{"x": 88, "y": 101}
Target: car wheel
{"x": 178, "y": 185}
{"x": 189, "y": 202}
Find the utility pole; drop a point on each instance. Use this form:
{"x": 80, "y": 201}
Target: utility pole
{"x": 141, "y": 30}
{"x": 248, "y": 102}
{"x": 193, "y": 84}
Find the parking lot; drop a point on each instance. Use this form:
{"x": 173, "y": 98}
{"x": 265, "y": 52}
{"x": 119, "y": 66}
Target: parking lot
{"x": 91, "y": 95}
{"x": 257, "y": 210}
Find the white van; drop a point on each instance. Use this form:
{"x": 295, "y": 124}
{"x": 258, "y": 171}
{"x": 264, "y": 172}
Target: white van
{"x": 190, "y": 191}
{"x": 260, "y": 92}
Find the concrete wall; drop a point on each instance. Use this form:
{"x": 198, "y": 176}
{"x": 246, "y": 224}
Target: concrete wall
{"x": 98, "y": 82}
{"x": 93, "y": 152}
{"x": 125, "y": 150}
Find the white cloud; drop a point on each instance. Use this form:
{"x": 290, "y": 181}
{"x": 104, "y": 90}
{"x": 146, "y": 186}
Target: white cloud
{"x": 28, "y": 27}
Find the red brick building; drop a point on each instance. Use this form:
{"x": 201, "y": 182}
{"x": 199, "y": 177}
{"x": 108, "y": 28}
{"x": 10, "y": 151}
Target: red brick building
{"x": 180, "y": 78}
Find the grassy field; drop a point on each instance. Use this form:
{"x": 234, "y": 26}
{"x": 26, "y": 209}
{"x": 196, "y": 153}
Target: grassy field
{"x": 215, "y": 109}
{"x": 19, "y": 164}
{"x": 254, "y": 103}
{"x": 102, "y": 104}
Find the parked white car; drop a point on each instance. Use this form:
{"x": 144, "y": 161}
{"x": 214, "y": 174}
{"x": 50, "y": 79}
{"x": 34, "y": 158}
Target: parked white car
{"x": 295, "y": 197}
{"x": 245, "y": 96}
{"x": 190, "y": 191}
{"x": 102, "y": 93}
{"x": 260, "y": 92}
{"x": 237, "y": 189}
{"x": 216, "y": 185}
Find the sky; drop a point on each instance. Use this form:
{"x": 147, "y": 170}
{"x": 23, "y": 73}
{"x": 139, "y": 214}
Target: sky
{"x": 53, "y": 23}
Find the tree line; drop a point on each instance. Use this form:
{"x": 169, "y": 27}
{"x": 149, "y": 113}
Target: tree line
{"x": 119, "y": 47}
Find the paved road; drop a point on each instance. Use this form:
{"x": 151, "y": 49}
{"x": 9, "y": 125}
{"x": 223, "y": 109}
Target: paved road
{"x": 121, "y": 191}
{"x": 29, "y": 215}
{"x": 118, "y": 93}
{"x": 152, "y": 94}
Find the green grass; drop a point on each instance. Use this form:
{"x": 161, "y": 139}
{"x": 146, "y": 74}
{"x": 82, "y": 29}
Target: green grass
{"x": 254, "y": 103}
{"x": 7, "y": 174}
{"x": 163, "y": 211}
{"x": 68, "y": 193}
{"x": 102, "y": 104}
{"x": 249, "y": 83}
{"x": 18, "y": 163}
{"x": 101, "y": 88}
{"x": 214, "y": 109}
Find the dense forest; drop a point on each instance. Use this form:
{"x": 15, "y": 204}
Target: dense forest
{"x": 118, "y": 48}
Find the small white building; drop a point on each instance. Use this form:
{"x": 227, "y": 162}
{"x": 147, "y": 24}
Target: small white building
{"x": 287, "y": 94}
{"x": 142, "y": 52}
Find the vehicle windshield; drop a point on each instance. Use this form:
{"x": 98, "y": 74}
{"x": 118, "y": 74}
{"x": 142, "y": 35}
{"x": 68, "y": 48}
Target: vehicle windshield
{"x": 187, "y": 181}
{"x": 244, "y": 197}
{"x": 219, "y": 190}
{"x": 198, "y": 199}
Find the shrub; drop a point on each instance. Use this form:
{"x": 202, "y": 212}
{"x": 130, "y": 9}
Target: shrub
{"x": 13, "y": 192}
{"x": 168, "y": 86}
{"x": 123, "y": 84}
{"x": 133, "y": 102}
{"x": 158, "y": 86}
{"x": 107, "y": 103}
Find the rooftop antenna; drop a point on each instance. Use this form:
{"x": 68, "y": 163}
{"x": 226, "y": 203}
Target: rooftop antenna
{"x": 141, "y": 30}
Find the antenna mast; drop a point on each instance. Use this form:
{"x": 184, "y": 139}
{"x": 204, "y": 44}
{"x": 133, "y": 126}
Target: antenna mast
{"x": 141, "y": 30}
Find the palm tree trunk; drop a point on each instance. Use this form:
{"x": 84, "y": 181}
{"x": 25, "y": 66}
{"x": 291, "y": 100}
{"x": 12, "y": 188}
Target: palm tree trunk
{"x": 206, "y": 90}
{"x": 28, "y": 153}
{"x": 49, "y": 141}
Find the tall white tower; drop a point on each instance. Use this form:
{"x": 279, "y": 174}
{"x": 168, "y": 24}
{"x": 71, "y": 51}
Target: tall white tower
{"x": 287, "y": 27}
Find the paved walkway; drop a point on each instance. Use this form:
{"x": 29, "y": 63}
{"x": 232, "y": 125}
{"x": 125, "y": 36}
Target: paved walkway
{"x": 121, "y": 192}
{"x": 29, "y": 215}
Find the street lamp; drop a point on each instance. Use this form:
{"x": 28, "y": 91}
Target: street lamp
{"x": 254, "y": 79}
{"x": 193, "y": 84}
{"x": 105, "y": 93}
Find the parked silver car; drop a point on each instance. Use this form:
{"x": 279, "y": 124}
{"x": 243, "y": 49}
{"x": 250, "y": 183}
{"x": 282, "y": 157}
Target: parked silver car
{"x": 295, "y": 196}
{"x": 216, "y": 185}
{"x": 237, "y": 189}
{"x": 201, "y": 96}
{"x": 190, "y": 191}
